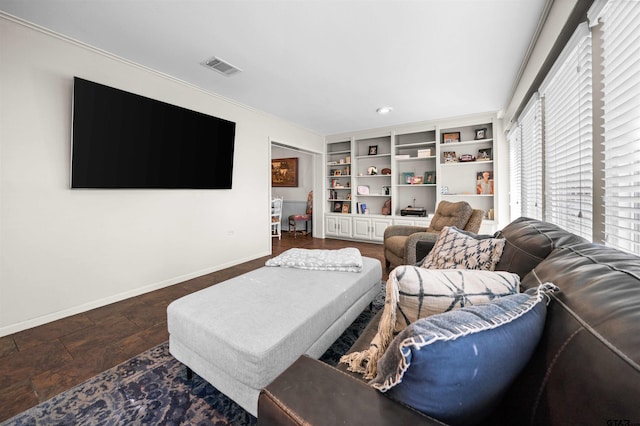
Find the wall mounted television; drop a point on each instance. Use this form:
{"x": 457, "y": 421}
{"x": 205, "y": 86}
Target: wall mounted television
{"x": 124, "y": 140}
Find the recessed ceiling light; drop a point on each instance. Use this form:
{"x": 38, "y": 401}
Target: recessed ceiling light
{"x": 384, "y": 110}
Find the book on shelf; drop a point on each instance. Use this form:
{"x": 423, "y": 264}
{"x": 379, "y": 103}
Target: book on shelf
{"x": 361, "y": 208}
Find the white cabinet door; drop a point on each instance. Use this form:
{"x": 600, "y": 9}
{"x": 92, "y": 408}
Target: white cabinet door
{"x": 361, "y": 228}
{"x": 377, "y": 228}
{"x": 370, "y": 228}
{"x": 344, "y": 226}
{"x": 331, "y": 226}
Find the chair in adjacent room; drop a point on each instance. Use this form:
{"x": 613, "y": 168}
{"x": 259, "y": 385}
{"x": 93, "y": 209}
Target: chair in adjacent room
{"x": 306, "y": 218}
{"x": 400, "y": 240}
{"x": 276, "y": 217}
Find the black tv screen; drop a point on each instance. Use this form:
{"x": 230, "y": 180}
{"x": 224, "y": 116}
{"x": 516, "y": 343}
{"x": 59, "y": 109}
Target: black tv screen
{"x": 123, "y": 140}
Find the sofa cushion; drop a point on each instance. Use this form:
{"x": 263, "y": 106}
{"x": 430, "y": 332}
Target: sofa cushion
{"x": 528, "y": 241}
{"x": 450, "y": 214}
{"x": 455, "y": 366}
{"x": 424, "y": 292}
{"x": 590, "y": 350}
{"x": 456, "y": 249}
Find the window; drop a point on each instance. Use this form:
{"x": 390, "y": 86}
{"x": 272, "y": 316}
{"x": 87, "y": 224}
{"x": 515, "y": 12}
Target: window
{"x": 530, "y": 124}
{"x": 515, "y": 165}
{"x": 621, "y": 81}
{"x": 568, "y": 141}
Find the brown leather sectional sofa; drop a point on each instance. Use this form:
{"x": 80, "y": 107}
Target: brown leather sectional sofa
{"x": 585, "y": 370}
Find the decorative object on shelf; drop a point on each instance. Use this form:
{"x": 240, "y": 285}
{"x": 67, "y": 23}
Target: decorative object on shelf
{"x": 484, "y": 183}
{"x": 416, "y": 180}
{"x": 465, "y": 158}
{"x": 342, "y": 161}
{"x": 425, "y": 153}
{"x": 349, "y": 197}
{"x": 451, "y": 137}
{"x": 386, "y": 208}
{"x": 407, "y": 177}
{"x": 450, "y": 157}
{"x": 348, "y": 159}
{"x": 481, "y": 133}
{"x": 337, "y": 207}
{"x": 373, "y": 150}
{"x": 345, "y": 207}
{"x": 347, "y": 170}
{"x": 386, "y": 171}
{"x": 333, "y": 195}
{"x": 336, "y": 172}
{"x": 363, "y": 190}
{"x": 372, "y": 171}
{"x": 484, "y": 154}
{"x": 444, "y": 190}
{"x": 386, "y": 190}
{"x": 361, "y": 208}
{"x": 413, "y": 211}
{"x": 429, "y": 178}
{"x": 284, "y": 172}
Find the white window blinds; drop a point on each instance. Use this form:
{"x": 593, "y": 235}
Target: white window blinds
{"x": 530, "y": 123}
{"x": 515, "y": 167}
{"x": 621, "y": 62}
{"x": 568, "y": 141}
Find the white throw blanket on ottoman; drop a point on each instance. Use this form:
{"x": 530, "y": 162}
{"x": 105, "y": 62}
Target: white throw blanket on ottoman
{"x": 241, "y": 334}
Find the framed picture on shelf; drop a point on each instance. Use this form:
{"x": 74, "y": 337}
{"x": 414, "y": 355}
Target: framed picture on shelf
{"x": 363, "y": 189}
{"x": 372, "y": 171}
{"x": 373, "y": 150}
{"x": 450, "y": 157}
{"x": 345, "y": 208}
{"x": 337, "y": 207}
{"x": 484, "y": 183}
{"x": 407, "y": 177}
{"x": 429, "y": 178}
{"x": 284, "y": 172}
{"x": 416, "y": 180}
{"x": 484, "y": 154}
{"x": 481, "y": 133}
{"x": 451, "y": 137}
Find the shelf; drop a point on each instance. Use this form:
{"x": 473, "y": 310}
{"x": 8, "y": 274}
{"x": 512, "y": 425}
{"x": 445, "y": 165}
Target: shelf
{"x": 466, "y": 163}
{"x": 415, "y": 158}
{"x": 374, "y": 195}
{"x": 415, "y": 144}
{"x": 338, "y": 199}
{"x": 346, "y": 151}
{"x": 373, "y": 176}
{"x": 466, "y": 143}
{"x": 467, "y": 195}
{"x": 418, "y": 184}
{"x": 361, "y": 157}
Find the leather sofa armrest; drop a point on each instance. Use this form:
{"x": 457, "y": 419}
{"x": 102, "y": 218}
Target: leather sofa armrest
{"x": 311, "y": 392}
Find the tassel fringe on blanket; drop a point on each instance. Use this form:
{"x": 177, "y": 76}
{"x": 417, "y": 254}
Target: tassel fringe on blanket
{"x": 366, "y": 362}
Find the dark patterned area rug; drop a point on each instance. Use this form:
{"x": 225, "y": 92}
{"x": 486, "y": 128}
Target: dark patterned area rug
{"x": 152, "y": 388}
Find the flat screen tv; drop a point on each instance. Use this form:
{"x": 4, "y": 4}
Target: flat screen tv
{"x": 123, "y": 140}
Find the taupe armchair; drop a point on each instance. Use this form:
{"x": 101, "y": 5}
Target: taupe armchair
{"x": 400, "y": 240}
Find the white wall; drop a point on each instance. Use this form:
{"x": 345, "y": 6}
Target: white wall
{"x": 65, "y": 251}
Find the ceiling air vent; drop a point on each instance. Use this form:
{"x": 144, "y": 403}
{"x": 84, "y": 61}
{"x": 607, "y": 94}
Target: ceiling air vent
{"x": 221, "y": 66}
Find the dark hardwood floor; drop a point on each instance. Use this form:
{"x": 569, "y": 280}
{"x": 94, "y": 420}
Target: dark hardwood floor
{"x": 39, "y": 363}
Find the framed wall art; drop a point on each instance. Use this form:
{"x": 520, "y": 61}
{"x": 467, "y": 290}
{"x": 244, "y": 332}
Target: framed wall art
{"x": 451, "y": 137}
{"x": 284, "y": 172}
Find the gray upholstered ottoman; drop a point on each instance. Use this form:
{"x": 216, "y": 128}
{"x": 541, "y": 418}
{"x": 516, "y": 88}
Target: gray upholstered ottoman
{"x": 242, "y": 333}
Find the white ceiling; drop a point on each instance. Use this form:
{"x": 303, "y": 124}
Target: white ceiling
{"x": 325, "y": 65}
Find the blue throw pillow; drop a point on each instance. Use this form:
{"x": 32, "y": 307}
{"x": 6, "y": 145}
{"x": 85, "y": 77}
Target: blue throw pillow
{"x": 455, "y": 366}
